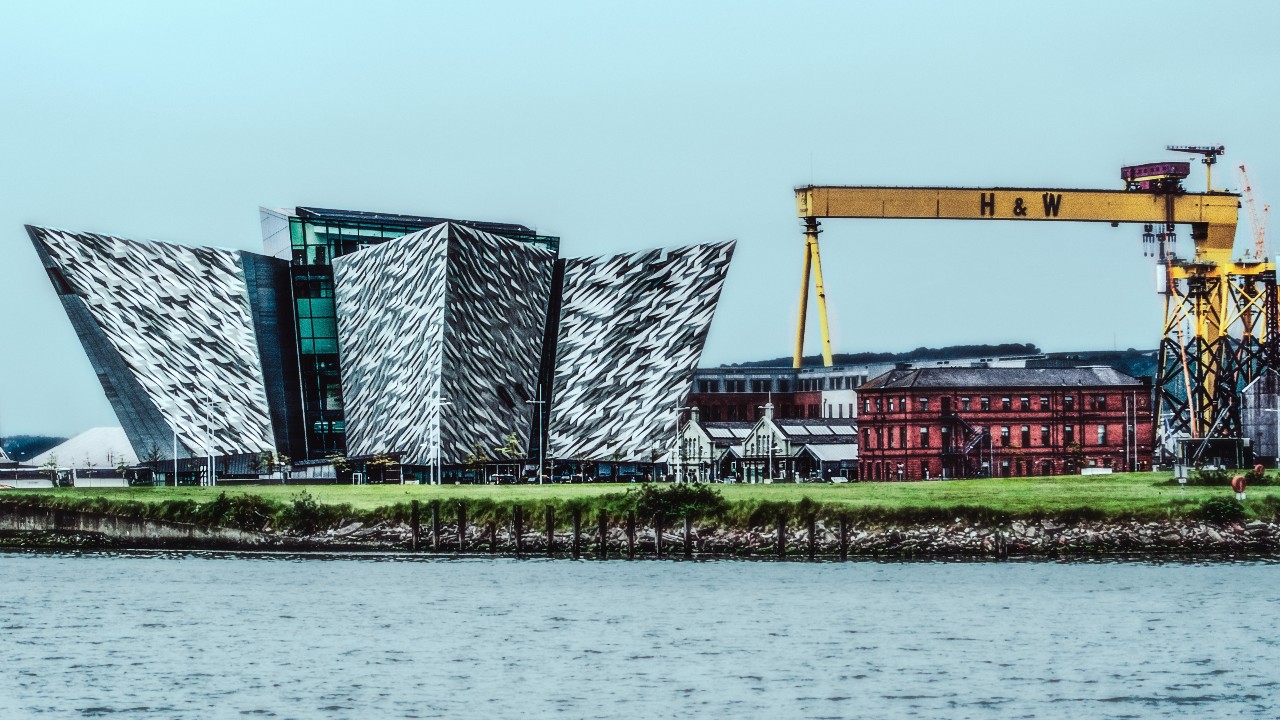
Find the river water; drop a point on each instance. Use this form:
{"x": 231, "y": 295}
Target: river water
{"x": 235, "y": 636}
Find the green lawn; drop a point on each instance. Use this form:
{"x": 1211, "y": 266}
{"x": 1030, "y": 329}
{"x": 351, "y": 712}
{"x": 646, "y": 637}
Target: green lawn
{"x": 1141, "y": 494}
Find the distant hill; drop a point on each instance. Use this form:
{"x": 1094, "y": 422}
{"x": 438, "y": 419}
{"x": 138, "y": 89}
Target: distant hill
{"x": 921, "y": 353}
{"x": 21, "y": 448}
{"x": 1135, "y": 363}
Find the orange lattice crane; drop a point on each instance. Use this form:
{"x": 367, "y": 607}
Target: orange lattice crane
{"x": 1256, "y": 219}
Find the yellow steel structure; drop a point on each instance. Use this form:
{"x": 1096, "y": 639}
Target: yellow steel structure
{"x": 1209, "y": 291}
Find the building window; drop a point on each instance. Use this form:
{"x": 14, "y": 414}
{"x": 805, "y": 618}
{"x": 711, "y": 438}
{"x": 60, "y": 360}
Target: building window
{"x": 866, "y": 406}
{"x": 946, "y": 437}
{"x": 924, "y": 437}
{"x": 964, "y": 404}
{"x": 1102, "y": 402}
{"x": 879, "y": 404}
{"x": 866, "y": 437}
{"x": 1102, "y": 434}
{"x": 890, "y": 404}
{"x": 1044, "y": 435}
{"x": 890, "y": 437}
{"x": 1025, "y": 403}
{"x": 1026, "y": 436}
{"x": 1006, "y": 403}
{"x": 1044, "y": 402}
{"x": 922, "y": 404}
{"x": 879, "y": 437}
{"x": 902, "y": 437}
{"x": 986, "y": 404}
{"x": 1068, "y": 402}
{"x": 1004, "y": 436}
{"x": 1068, "y": 434}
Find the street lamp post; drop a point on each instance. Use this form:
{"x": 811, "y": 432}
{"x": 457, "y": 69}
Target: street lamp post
{"x": 538, "y": 402}
{"x": 440, "y": 404}
{"x": 175, "y": 457}
{"x": 210, "y": 468}
{"x": 675, "y": 447}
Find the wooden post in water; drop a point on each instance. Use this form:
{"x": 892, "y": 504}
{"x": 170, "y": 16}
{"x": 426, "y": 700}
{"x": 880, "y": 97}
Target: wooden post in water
{"x": 631, "y": 535}
{"x": 414, "y": 525}
{"x": 844, "y": 538}
{"x": 493, "y": 536}
{"x": 813, "y": 536}
{"x": 435, "y": 526}
{"x": 577, "y": 533}
{"x": 518, "y": 519}
{"x": 782, "y": 536}
{"x": 603, "y": 521}
{"x": 657, "y": 535}
{"x": 462, "y": 526}
{"x": 688, "y": 536}
{"x": 551, "y": 531}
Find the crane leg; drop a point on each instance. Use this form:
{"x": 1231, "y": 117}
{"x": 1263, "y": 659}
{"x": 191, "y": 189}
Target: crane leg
{"x": 798, "y": 359}
{"x": 811, "y": 240}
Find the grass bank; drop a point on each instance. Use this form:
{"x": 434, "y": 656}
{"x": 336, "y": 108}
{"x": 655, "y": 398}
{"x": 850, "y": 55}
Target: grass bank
{"x": 1129, "y": 496}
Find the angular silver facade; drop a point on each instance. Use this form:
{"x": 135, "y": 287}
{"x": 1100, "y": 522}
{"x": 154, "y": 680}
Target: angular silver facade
{"x": 446, "y": 313}
{"x": 169, "y": 329}
{"x": 631, "y": 330}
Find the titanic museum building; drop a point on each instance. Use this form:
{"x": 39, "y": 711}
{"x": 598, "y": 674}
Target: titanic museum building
{"x": 363, "y": 334}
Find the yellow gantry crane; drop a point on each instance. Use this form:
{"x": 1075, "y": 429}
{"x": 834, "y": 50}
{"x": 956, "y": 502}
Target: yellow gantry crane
{"x": 1229, "y": 305}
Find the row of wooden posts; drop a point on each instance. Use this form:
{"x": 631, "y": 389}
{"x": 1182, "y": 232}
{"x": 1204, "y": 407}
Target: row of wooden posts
{"x": 518, "y": 520}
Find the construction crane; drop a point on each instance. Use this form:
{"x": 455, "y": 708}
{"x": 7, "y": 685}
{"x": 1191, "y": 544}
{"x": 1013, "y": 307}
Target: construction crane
{"x": 1201, "y": 370}
{"x": 1257, "y": 220}
{"x": 1209, "y": 157}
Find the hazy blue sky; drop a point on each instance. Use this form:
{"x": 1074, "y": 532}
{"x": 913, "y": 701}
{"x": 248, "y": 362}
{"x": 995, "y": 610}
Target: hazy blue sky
{"x": 626, "y": 126}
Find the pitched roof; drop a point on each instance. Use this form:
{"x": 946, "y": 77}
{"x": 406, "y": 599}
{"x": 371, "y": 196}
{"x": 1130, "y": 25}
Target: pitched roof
{"x": 818, "y": 431}
{"x": 726, "y": 433}
{"x": 832, "y": 453}
{"x": 955, "y": 377}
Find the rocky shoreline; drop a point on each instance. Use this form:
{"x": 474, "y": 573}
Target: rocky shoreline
{"x": 1020, "y": 538}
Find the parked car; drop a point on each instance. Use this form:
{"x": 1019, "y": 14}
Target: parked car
{"x": 502, "y": 479}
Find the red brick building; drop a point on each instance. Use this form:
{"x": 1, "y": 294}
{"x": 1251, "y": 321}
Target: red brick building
{"x": 739, "y": 394}
{"x": 974, "y": 422}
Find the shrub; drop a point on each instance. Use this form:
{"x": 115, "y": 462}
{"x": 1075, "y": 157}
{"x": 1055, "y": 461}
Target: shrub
{"x": 306, "y": 516}
{"x": 1222, "y": 478}
{"x": 246, "y": 512}
{"x": 1221, "y": 511}
{"x": 676, "y": 500}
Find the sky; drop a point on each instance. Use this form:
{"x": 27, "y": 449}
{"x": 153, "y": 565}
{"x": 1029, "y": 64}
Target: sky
{"x": 628, "y": 126}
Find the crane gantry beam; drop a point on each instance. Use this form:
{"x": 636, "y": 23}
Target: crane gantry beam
{"x": 1214, "y": 213}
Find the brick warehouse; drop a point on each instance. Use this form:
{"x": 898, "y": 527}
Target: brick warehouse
{"x": 973, "y": 422}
